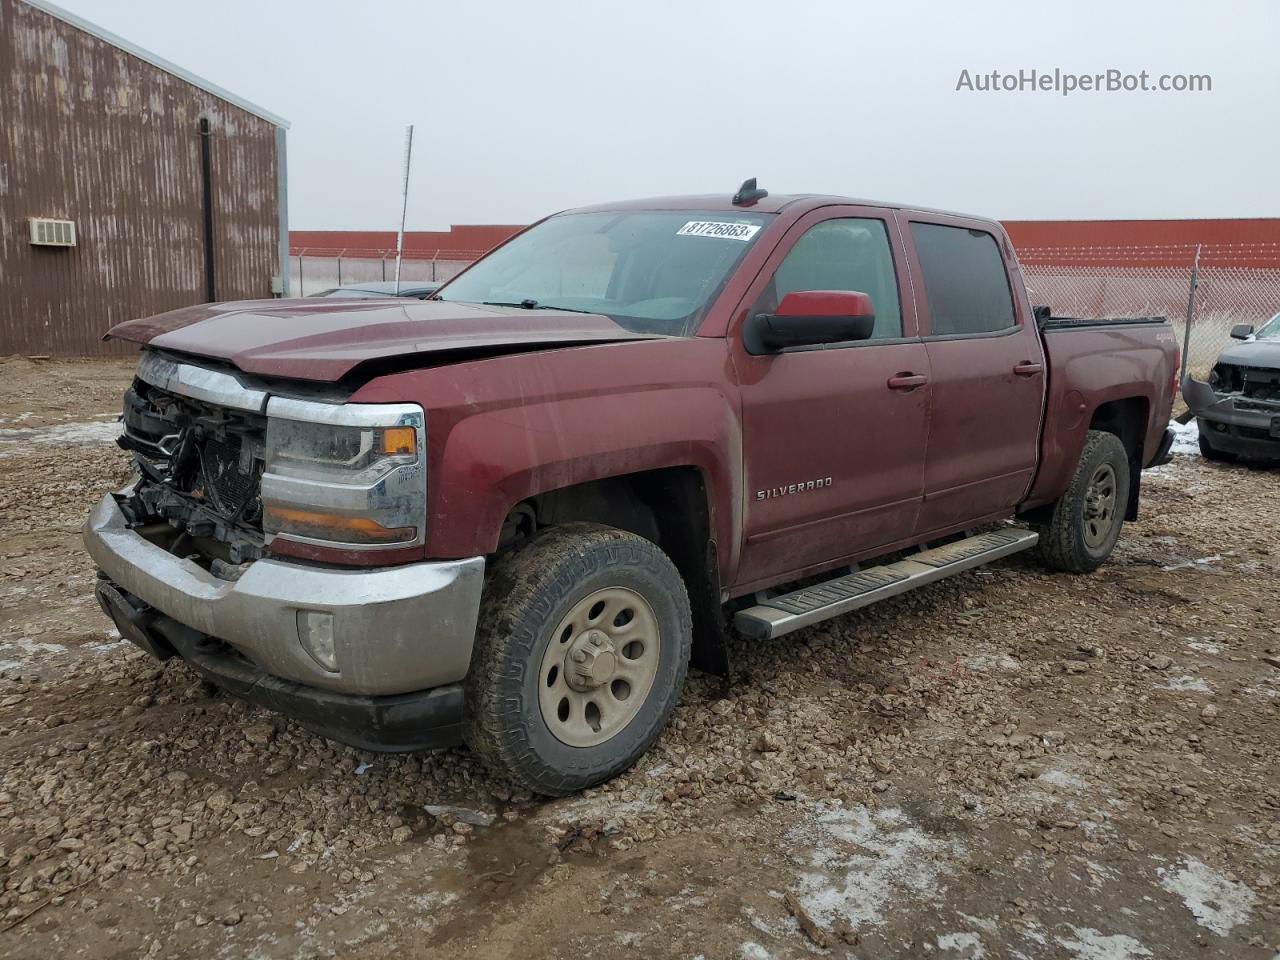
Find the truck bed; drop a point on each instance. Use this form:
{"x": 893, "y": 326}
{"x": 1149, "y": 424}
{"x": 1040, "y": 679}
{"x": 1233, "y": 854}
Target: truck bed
{"x": 1093, "y": 362}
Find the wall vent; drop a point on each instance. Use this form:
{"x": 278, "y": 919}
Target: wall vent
{"x": 46, "y": 232}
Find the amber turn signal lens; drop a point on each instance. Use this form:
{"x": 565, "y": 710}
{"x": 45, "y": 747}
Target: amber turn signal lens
{"x": 329, "y": 526}
{"x": 399, "y": 440}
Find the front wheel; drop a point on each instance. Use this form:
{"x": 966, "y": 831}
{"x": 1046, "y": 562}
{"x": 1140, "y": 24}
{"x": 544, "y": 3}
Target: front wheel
{"x": 1085, "y": 523}
{"x": 580, "y": 657}
{"x": 1209, "y": 452}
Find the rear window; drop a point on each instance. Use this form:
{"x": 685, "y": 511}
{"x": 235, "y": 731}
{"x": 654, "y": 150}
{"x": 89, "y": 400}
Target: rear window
{"x": 964, "y": 279}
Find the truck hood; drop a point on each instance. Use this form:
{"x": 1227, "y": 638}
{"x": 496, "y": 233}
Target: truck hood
{"x": 1253, "y": 353}
{"x": 313, "y": 339}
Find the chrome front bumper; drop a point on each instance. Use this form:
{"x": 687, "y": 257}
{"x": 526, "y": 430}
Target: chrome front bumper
{"x": 395, "y": 629}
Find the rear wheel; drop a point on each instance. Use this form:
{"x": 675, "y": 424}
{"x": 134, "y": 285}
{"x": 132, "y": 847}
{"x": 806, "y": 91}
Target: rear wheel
{"x": 1085, "y": 523}
{"x": 580, "y": 657}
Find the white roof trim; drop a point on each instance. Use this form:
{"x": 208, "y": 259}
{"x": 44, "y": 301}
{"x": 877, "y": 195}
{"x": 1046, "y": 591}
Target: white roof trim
{"x": 94, "y": 30}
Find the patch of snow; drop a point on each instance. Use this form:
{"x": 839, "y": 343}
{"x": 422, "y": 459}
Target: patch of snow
{"x": 98, "y": 649}
{"x": 863, "y": 859}
{"x": 1089, "y": 944}
{"x": 991, "y": 663}
{"x": 426, "y": 903}
{"x": 1187, "y": 684}
{"x": 1186, "y": 438}
{"x": 785, "y": 928}
{"x": 29, "y": 649}
{"x": 753, "y": 951}
{"x": 1270, "y": 687}
{"x": 575, "y": 809}
{"x": 1062, "y": 779}
{"x": 1203, "y": 563}
{"x": 360, "y": 770}
{"x": 477, "y": 818}
{"x": 1204, "y": 646}
{"x": 1098, "y": 872}
{"x": 967, "y": 945}
{"x": 1032, "y": 932}
{"x": 1217, "y": 902}
{"x": 985, "y": 924}
{"x": 85, "y": 431}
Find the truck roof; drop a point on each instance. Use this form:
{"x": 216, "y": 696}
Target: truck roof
{"x": 774, "y": 203}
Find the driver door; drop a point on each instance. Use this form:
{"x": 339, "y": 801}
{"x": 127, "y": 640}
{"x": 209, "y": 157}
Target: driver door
{"x": 835, "y": 435}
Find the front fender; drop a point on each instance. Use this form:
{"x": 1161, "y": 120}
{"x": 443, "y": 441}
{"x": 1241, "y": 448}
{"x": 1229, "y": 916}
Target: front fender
{"x": 504, "y": 429}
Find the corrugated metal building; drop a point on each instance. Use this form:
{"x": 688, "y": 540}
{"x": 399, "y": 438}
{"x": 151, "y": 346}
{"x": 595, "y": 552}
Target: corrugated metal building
{"x": 174, "y": 188}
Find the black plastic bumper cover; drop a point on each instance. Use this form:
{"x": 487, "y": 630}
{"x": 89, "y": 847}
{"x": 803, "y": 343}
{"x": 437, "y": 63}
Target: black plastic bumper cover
{"x": 1227, "y": 436}
{"x": 421, "y": 720}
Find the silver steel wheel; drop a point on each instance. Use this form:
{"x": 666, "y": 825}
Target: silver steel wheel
{"x": 599, "y": 667}
{"x": 1100, "y": 506}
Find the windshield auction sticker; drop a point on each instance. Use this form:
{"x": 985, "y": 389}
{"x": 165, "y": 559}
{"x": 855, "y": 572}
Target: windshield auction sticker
{"x": 713, "y": 228}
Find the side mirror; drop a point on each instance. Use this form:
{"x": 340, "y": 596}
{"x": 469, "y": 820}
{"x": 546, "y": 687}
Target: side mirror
{"x": 1042, "y": 315}
{"x": 1242, "y": 331}
{"x": 808, "y": 317}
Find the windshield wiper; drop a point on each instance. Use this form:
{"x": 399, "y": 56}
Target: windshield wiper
{"x": 530, "y": 304}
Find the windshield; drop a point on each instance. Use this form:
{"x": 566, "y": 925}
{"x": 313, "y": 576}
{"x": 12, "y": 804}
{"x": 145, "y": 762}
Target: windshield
{"x": 650, "y": 271}
{"x": 1272, "y": 329}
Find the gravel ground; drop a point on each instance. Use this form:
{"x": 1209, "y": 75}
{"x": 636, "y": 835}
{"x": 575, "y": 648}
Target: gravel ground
{"x": 1012, "y": 763}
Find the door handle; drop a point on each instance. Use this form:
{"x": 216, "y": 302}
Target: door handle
{"x": 907, "y": 381}
{"x": 1028, "y": 368}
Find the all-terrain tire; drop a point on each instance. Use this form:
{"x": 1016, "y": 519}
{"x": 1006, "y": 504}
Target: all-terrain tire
{"x": 1072, "y": 540}
{"x": 528, "y": 593}
{"x": 1208, "y": 451}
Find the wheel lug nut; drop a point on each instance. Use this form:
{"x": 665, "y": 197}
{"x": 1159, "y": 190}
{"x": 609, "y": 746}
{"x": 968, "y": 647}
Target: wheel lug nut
{"x": 579, "y": 656}
{"x": 596, "y": 641}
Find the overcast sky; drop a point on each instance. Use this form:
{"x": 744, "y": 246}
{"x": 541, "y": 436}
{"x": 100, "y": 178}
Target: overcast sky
{"x": 528, "y": 107}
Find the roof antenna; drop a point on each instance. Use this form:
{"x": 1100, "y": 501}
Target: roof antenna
{"x": 748, "y": 193}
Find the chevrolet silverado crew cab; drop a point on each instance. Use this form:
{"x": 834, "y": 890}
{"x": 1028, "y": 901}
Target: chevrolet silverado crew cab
{"x": 514, "y": 513}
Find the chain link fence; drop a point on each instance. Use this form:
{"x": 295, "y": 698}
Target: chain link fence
{"x": 1237, "y": 283}
{"x": 323, "y": 269}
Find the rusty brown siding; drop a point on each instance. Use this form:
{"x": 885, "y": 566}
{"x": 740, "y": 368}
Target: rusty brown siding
{"x": 91, "y": 133}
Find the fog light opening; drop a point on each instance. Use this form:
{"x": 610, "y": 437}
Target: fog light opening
{"x": 315, "y": 631}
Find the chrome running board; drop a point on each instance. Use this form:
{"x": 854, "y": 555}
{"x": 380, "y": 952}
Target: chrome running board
{"x": 822, "y": 601}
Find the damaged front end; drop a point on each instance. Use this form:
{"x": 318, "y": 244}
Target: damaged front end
{"x": 1238, "y": 409}
{"x": 199, "y": 482}
{"x": 198, "y": 556}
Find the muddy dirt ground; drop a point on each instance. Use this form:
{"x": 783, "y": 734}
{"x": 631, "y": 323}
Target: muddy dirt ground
{"x": 1013, "y": 763}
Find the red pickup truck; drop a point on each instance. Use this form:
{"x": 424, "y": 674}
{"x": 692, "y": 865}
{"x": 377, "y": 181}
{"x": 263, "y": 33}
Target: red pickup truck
{"x": 514, "y": 513}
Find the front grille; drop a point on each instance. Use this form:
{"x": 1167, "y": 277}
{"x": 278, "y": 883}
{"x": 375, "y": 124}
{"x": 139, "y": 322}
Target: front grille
{"x": 201, "y": 464}
{"x": 233, "y": 477}
{"x": 1260, "y": 383}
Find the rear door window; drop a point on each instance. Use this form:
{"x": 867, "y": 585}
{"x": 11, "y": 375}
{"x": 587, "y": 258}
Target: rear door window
{"x": 965, "y": 280}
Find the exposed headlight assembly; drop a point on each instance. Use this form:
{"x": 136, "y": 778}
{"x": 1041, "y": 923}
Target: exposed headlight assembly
{"x": 350, "y": 475}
